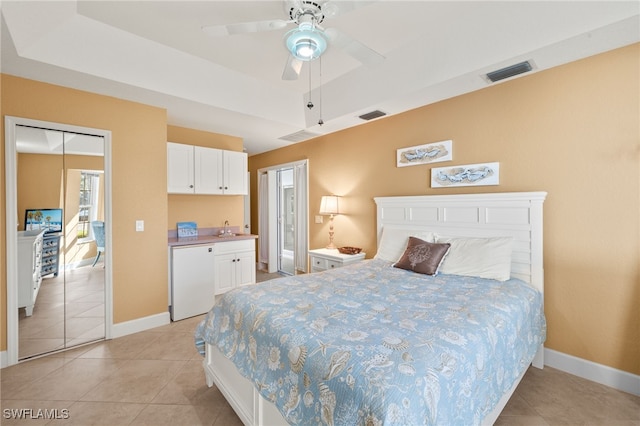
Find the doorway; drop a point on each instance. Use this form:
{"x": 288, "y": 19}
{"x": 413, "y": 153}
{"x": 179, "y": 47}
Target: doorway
{"x": 283, "y": 218}
{"x": 58, "y": 186}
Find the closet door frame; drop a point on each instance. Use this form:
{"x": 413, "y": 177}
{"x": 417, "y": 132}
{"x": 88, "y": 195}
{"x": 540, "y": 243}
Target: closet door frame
{"x": 11, "y": 216}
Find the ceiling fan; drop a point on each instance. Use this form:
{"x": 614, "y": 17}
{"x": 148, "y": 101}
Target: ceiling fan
{"x": 308, "y": 41}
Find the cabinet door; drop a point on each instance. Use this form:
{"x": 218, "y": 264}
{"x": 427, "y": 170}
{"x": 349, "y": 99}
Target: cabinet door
{"x": 208, "y": 170}
{"x": 192, "y": 286}
{"x": 235, "y": 173}
{"x": 225, "y": 272}
{"x": 179, "y": 168}
{"x": 245, "y": 268}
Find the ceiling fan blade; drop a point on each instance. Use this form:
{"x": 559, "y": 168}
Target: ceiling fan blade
{"x": 292, "y": 68}
{"x": 245, "y": 27}
{"x": 334, "y": 8}
{"x": 353, "y": 47}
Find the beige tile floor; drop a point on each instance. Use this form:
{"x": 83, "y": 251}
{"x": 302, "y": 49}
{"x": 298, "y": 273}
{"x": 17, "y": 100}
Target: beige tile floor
{"x": 69, "y": 311}
{"x": 155, "y": 378}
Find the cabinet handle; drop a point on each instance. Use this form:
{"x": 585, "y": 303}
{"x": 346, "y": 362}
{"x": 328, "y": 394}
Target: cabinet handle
{"x": 226, "y": 187}
{"x": 219, "y": 187}
{"x": 190, "y": 186}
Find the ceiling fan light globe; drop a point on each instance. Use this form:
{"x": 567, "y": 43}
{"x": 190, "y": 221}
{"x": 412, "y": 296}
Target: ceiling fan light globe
{"x": 306, "y": 45}
{"x": 305, "y": 49}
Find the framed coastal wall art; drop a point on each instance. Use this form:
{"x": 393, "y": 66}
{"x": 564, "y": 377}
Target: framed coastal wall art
{"x": 424, "y": 154}
{"x": 466, "y": 175}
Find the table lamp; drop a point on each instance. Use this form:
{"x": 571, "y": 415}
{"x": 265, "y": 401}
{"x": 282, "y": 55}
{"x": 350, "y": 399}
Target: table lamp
{"x": 329, "y": 205}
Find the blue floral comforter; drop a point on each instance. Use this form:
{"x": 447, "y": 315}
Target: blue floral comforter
{"x": 376, "y": 345}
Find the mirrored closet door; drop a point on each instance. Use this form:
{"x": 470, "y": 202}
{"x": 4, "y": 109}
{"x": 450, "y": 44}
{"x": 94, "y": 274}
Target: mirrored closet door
{"x": 60, "y": 211}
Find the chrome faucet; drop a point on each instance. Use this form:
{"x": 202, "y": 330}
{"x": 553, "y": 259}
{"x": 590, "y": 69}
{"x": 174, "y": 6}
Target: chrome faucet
{"x": 225, "y": 230}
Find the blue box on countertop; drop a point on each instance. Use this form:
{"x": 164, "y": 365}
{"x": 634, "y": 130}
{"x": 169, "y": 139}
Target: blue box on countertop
{"x": 187, "y": 229}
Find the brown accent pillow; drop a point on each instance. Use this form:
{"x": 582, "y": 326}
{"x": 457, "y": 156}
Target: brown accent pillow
{"x": 422, "y": 257}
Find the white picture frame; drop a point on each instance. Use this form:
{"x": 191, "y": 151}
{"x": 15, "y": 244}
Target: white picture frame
{"x": 425, "y": 154}
{"x": 481, "y": 174}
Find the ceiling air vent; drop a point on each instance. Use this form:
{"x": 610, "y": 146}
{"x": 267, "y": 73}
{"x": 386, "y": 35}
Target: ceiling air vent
{"x": 509, "y": 71}
{"x": 300, "y": 136}
{"x": 373, "y": 114}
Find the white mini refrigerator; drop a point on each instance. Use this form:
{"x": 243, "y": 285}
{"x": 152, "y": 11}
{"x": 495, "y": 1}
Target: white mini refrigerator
{"x": 192, "y": 281}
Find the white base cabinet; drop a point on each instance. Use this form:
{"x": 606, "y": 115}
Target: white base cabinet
{"x": 200, "y": 272}
{"x": 29, "y": 269}
{"x": 235, "y": 265}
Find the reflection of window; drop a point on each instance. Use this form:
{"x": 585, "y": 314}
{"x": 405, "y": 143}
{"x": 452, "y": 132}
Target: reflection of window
{"x": 88, "y": 208}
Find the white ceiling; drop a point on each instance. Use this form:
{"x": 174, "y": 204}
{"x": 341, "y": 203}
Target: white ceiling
{"x": 155, "y": 52}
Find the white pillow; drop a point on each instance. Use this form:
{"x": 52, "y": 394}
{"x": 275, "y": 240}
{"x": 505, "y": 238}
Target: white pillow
{"x": 478, "y": 257}
{"x": 394, "y": 241}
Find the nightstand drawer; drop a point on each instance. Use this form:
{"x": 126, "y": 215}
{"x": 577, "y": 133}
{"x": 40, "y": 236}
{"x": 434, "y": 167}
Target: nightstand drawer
{"x": 319, "y": 263}
{"x": 332, "y": 264}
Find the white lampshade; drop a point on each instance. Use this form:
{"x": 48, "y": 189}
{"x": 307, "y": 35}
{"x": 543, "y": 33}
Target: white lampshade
{"x": 329, "y": 204}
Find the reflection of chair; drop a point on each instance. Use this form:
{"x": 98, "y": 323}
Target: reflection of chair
{"x": 98, "y": 236}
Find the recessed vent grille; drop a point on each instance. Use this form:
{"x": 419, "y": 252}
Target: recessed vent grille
{"x": 373, "y": 114}
{"x": 300, "y": 136}
{"x": 509, "y": 71}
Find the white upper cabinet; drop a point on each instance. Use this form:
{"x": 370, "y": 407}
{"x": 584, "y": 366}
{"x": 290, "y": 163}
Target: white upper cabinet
{"x": 180, "y": 179}
{"x": 200, "y": 170}
{"x": 208, "y": 170}
{"x": 235, "y": 166}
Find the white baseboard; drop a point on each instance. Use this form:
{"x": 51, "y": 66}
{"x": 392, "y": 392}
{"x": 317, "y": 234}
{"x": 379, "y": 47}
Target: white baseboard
{"x": 140, "y": 324}
{"x": 3, "y": 359}
{"x": 608, "y": 376}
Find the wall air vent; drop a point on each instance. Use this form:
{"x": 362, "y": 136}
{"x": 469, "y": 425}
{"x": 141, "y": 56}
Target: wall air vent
{"x": 300, "y": 136}
{"x": 373, "y": 114}
{"x": 509, "y": 71}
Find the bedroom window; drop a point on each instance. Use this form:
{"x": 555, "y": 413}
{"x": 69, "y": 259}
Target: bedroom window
{"x": 88, "y": 203}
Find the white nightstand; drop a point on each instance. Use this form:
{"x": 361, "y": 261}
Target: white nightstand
{"x": 322, "y": 259}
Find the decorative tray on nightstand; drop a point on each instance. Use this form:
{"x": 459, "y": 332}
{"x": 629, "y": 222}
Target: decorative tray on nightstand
{"x": 349, "y": 250}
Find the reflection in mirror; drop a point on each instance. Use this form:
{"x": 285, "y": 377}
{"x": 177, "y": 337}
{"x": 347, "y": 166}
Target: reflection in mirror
{"x": 61, "y": 291}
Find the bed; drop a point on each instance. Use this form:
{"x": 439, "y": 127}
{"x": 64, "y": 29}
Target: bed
{"x": 379, "y": 343}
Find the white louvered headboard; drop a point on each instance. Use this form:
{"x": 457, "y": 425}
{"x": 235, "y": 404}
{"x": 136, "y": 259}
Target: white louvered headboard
{"x": 515, "y": 214}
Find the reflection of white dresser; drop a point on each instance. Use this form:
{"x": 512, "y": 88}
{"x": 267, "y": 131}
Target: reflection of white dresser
{"x": 29, "y": 268}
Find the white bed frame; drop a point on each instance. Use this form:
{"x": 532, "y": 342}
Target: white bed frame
{"x": 516, "y": 214}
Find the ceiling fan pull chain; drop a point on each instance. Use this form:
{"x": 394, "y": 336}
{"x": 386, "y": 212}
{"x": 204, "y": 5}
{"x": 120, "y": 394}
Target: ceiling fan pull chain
{"x": 310, "y": 103}
{"x": 321, "y": 121}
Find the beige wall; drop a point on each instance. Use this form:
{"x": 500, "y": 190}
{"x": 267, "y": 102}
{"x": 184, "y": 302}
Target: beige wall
{"x": 139, "y": 135}
{"x": 208, "y": 211}
{"x": 572, "y": 131}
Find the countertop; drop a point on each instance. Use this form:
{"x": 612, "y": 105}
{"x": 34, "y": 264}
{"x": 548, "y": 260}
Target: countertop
{"x": 208, "y": 236}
